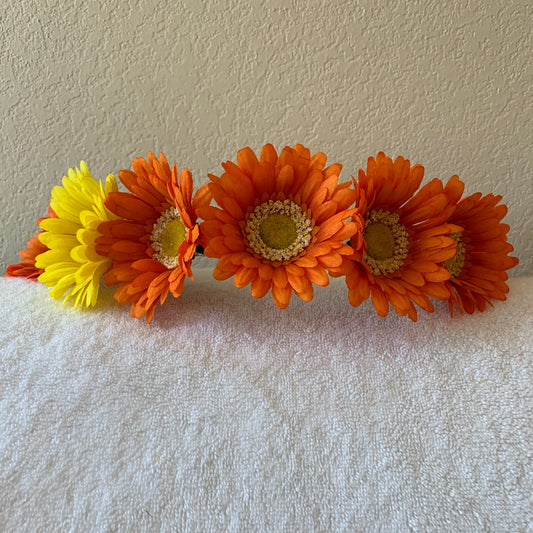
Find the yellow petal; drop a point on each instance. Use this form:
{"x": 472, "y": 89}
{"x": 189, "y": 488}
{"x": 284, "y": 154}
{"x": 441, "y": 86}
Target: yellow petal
{"x": 87, "y": 236}
{"x": 58, "y": 241}
{"x": 85, "y": 254}
{"x": 61, "y": 286}
{"x": 50, "y": 257}
{"x": 54, "y": 273}
{"x": 59, "y": 225}
{"x": 110, "y": 184}
{"x": 89, "y": 219}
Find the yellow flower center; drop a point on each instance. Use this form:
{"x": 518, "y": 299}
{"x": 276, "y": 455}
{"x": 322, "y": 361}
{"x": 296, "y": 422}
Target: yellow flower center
{"x": 278, "y": 231}
{"x": 379, "y": 241}
{"x": 456, "y": 263}
{"x": 387, "y": 242}
{"x": 168, "y": 233}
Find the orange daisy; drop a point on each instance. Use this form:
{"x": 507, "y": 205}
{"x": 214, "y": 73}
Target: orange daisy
{"x": 406, "y": 239}
{"x": 281, "y": 222}
{"x": 478, "y": 270}
{"x": 26, "y": 268}
{"x": 153, "y": 244}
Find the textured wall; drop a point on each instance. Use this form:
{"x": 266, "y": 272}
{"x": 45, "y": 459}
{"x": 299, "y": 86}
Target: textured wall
{"x": 446, "y": 84}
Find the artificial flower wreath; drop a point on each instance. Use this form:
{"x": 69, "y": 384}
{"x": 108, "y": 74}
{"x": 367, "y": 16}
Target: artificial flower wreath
{"x": 281, "y": 223}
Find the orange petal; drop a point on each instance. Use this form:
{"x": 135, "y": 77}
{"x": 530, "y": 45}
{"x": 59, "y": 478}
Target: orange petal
{"x": 355, "y": 297}
{"x": 306, "y": 294}
{"x": 326, "y": 210}
{"x": 264, "y": 179}
{"x": 298, "y": 283}
{"x": 232, "y": 207}
{"x": 306, "y": 260}
{"x": 234, "y": 243}
{"x": 269, "y": 155}
{"x": 344, "y": 198}
{"x": 202, "y": 198}
{"x": 331, "y": 260}
{"x": 318, "y": 276}
{"x": 244, "y": 276}
{"x": 128, "y": 206}
{"x": 260, "y": 287}
{"x": 413, "y": 277}
{"x": 251, "y": 262}
{"x": 454, "y": 189}
{"x": 266, "y": 271}
{"x": 320, "y": 249}
{"x": 285, "y": 179}
{"x": 149, "y": 265}
{"x": 331, "y": 170}
{"x": 347, "y": 231}
{"x": 319, "y": 160}
{"x": 157, "y": 288}
{"x": 247, "y": 161}
{"x": 318, "y": 199}
{"x": 221, "y": 275}
{"x": 380, "y": 301}
{"x": 442, "y": 274}
{"x": 436, "y": 290}
{"x": 310, "y": 186}
{"x": 329, "y": 228}
{"x": 399, "y": 302}
{"x": 294, "y": 269}
{"x": 128, "y": 247}
{"x": 141, "y": 282}
{"x": 216, "y": 247}
{"x": 281, "y": 296}
{"x": 279, "y": 276}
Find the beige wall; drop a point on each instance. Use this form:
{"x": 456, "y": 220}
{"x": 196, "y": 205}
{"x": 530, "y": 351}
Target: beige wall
{"x": 446, "y": 83}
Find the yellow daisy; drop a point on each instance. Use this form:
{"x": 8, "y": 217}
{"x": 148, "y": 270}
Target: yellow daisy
{"x": 71, "y": 265}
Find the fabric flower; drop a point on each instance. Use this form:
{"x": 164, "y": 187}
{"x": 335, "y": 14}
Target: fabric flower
{"x": 154, "y": 242}
{"x": 26, "y": 268}
{"x": 478, "y": 269}
{"x": 71, "y": 265}
{"x": 281, "y": 222}
{"x": 406, "y": 239}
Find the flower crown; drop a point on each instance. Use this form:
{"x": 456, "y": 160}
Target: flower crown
{"x": 281, "y": 223}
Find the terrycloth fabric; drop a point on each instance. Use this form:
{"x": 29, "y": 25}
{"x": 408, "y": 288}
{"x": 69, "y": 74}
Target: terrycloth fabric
{"x": 226, "y": 414}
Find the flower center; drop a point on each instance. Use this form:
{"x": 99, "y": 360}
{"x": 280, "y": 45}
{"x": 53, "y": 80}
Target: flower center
{"x": 278, "y": 231}
{"x": 168, "y": 233}
{"x": 456, "y": 263}
{"x": 379, "y": 241}
{"x": 387, "y": 242}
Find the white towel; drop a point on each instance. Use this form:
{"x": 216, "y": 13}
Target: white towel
{"x": 227, "y": 414}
